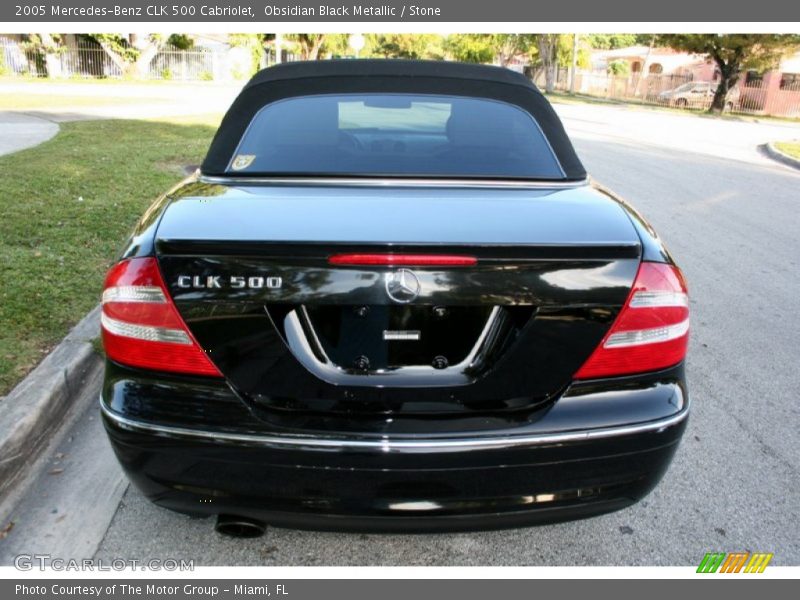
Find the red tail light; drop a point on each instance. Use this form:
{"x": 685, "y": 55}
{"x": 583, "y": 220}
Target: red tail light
{"x": 141, "y": 326}
{"x": 406, "y": 260}
{"x": 652, "y": 330}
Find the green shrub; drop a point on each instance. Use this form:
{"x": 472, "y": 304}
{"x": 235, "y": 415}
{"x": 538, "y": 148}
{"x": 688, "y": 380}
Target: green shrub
{"x": 619, "y": 67}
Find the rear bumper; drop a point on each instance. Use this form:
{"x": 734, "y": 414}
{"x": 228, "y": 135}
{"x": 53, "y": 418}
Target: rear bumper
{"x": 564, "y": 462}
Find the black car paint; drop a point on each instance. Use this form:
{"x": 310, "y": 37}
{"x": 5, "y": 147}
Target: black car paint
{"x": 375, "y": 490}
{"x": 142, "y": 241}
{"x": 331, "y": 489}
{"x": 556, "y": 297}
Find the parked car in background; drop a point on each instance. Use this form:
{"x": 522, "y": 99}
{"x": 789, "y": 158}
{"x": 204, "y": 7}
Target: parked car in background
{"x": 696, "y": 94}
{"x": 392, "y": 299}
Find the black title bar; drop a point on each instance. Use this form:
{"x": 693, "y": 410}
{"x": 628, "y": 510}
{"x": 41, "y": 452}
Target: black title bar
{"x": 467, "y": 11}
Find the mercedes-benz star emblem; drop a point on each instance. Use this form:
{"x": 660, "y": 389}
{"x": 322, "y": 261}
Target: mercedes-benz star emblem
{"x": 402, "y": 286}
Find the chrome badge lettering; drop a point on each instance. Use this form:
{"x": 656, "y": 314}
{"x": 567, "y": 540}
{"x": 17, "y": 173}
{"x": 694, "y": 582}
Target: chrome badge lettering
{"x": 235, "y": 282}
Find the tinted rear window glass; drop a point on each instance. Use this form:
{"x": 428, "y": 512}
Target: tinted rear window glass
{"x": 395, "y": 135}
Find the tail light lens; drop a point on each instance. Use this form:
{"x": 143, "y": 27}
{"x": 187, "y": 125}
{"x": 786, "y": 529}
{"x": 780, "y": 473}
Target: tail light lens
{"x": 141, "y": 326}
{"x": 652, "y": 330}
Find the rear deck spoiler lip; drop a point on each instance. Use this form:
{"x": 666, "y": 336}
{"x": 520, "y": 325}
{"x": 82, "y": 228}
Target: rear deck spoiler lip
{"x": 392, "y": 182}
{"x": 322, "y": 250}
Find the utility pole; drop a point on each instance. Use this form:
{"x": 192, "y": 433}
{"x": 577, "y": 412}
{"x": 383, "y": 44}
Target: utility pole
{"x": 278, "y": 44}
{"x": 574, "y": 63}
{"x": 644, "y": 72}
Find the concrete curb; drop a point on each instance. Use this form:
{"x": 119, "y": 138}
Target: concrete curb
{"x": 36, "y": 407}
{"x": 776, "y": 154}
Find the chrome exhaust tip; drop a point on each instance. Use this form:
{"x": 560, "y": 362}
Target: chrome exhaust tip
{"x": 241, "y": 527}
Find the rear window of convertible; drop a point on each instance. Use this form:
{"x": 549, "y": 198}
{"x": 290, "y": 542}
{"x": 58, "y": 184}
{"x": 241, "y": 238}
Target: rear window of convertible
{"x": 395, "y": 135}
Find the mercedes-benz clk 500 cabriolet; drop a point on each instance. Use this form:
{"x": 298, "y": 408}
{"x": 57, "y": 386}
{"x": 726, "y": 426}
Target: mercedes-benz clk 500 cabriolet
{"x": 390, "y": 299}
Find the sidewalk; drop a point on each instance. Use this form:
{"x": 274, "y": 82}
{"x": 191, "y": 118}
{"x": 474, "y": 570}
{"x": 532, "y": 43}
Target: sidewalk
{"x": 19, "y": 131}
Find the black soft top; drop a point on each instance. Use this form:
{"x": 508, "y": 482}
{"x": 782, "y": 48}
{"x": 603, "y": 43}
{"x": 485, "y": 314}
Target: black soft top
{"x": 387, "y": 68}
{"x": 310, "y": 78}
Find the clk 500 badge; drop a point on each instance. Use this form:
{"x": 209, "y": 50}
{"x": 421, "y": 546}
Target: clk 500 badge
{"x": 236, "y": 282}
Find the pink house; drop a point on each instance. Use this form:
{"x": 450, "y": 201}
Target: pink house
{"x": 775, "y": 93}
{"x": 654, "y": 61}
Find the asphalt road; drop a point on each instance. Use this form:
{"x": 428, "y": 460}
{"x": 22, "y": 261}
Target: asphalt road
{"x": 734, "y": 485}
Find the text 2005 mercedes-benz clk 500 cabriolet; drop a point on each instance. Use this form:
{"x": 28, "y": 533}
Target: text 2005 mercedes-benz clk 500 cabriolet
{"x": 390, "y": 299}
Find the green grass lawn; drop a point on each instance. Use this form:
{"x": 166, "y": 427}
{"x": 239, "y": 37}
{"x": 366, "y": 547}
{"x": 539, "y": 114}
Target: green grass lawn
{"x": 790, "y": 148}
{"x": 66, "y": 208}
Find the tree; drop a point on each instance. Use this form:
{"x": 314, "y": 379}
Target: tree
{"x": 547, "y": 44}
{"x": 564, "y": 52}
{"x": 131, "y": 53}
{"x": 407, "y": 45}
{"x": 46, "y": 48}
{"x": 248, "y": 52}
{"x": 611, "y": 41}
{"x": 502, "y": 48}
{"x": 338, "y": 44}
{"x": 510, "y": 46}
{"x": 470, "y": 47}
{"x": 735, "y": 53}
{"x": 308, "y": 45}
{"x": 181, "y": 41}
{"x": 618, "y": 67}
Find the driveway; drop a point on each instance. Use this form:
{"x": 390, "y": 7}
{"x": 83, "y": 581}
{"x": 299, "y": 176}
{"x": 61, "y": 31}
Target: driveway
{"x": 19, "y": 131}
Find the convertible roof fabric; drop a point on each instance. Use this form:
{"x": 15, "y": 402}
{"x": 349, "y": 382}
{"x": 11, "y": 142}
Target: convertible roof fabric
{"x": 386, "y": 76}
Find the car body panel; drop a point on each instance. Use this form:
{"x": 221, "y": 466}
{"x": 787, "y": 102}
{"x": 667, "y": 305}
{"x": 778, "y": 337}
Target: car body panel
{"x": 405, "y": 215}
{"x": 546, "y": 466}
{"x": 557, "y": 273}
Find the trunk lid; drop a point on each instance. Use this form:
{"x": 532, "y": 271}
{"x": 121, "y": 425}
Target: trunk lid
{"x": 248, "y": 268}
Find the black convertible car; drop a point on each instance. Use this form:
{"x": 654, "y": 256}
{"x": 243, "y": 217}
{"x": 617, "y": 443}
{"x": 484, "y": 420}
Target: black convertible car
{"x": 390, "y": 299}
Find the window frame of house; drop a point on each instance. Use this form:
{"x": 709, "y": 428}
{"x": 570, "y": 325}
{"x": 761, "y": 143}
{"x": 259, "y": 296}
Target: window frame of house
{"x": 790, "y": 82}
{"x": 753, "y": 79}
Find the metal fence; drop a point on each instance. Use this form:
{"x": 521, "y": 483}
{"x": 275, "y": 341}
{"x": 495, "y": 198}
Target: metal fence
{"x": 81, "y": 60}
{"x": 85, "y": 60}
{"x": 173, "y": 63}
{"x": 782, "y": 99}
{"x": 775, "y": 94}
{"x": 89, "y": 60}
